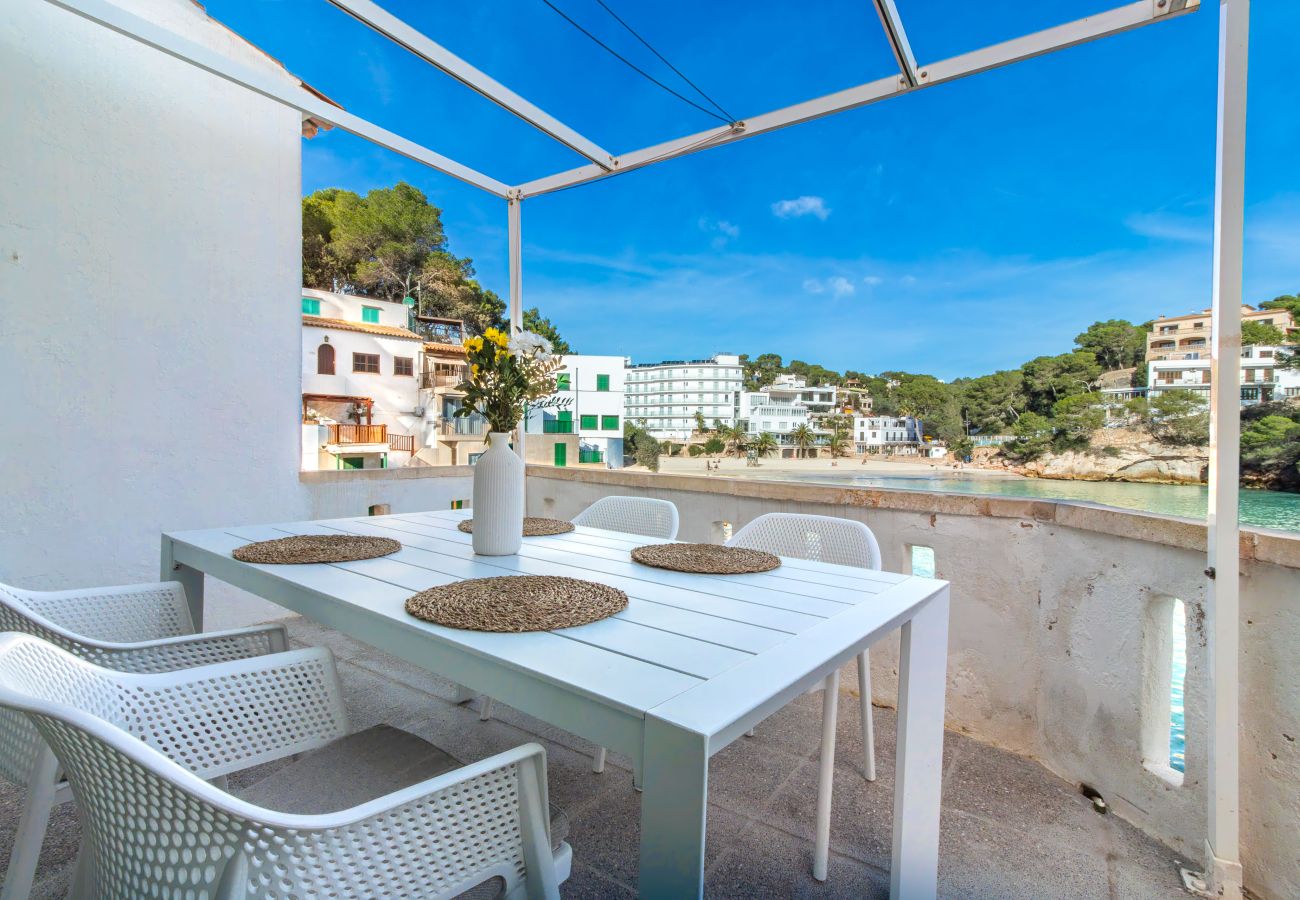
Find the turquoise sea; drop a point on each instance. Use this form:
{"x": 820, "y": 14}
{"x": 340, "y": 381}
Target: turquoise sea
{"x": 1263, "y": 509}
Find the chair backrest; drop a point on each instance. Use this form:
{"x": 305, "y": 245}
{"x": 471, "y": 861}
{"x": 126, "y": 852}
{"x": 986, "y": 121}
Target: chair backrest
{"x": 634, "y": 515}
{"x": 75, "y": 621}
{"x": 142, "y": 613}
{"x": 821, "y": 538}
{"x": 154, "y": 828}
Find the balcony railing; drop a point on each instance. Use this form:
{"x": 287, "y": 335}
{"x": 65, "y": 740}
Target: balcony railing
{"x": 468, "y": 426}
{"x": 402, "y": 442}
{"x": 432, "y": 380}
{"x": 555, "y": 426}
{"x": 358, "y": 434}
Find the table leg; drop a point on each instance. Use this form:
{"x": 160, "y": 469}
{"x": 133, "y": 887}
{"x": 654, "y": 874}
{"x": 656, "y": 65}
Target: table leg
{"x": 922, "y": 680}
{"x": 675, "y": 777}
{"x": 190, "y": 579}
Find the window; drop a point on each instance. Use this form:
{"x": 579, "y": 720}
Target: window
{"x": 587, "y": 423}
{"x": 370, "y": 314}
{"x": 403, "y": 365}
{"x": 325, "y": 360}
{"x": 562, "y": 381}
{"x": 609, "y": 423}
{"x": 310, "y": 306}
{"x": 365, "y": 362}
{"x": 352, "y": 462}
{"x": 602, "y": 382}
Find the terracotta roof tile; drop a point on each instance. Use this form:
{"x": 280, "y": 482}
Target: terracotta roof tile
{"x": 435, "y": 347}
{"x": 365, "y": 327}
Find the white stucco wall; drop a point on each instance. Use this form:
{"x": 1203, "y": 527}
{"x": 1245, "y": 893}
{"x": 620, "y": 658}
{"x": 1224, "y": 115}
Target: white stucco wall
{"x": 149, "y": 220}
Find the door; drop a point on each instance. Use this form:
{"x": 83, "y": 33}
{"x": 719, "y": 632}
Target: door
{"x": 561, "y": 454}
{"x": 354, "y": 462}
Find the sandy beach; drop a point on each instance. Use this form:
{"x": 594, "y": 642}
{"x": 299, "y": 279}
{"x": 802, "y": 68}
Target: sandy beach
{"x": 793, "y": 469}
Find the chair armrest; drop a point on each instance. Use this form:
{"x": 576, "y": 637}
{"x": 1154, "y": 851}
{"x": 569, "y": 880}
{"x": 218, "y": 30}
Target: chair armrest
{"x": 187, "y": 651}
{"x": 441, "y": 836}
{"x": 128, "y": 612}
{"x": 222, "y": 718}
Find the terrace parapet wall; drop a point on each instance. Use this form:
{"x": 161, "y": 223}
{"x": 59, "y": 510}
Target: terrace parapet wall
{"x": 1060, "y": 637}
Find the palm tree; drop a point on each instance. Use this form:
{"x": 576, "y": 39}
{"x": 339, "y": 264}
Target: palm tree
{"x": 735, "y": 438}
{"x": 765, "y": 444}
{"x": 803, "y": 437}
{"x": 837, "y": 443}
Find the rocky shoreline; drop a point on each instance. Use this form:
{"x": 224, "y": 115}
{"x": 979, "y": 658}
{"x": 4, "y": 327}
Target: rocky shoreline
{"x": 1118, "y": 455}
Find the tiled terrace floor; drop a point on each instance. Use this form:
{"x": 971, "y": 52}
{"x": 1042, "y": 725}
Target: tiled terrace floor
{"x": 1010, "y": 828}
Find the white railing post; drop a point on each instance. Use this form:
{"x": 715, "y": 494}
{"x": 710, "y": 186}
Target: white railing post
{"x": 514, "y": 207}
{"x": 1223, "y": 875}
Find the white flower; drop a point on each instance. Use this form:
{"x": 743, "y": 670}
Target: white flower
{"x": 526, "y": 343}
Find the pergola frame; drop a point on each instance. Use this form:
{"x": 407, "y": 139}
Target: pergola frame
{"x": 1223, "y": 875}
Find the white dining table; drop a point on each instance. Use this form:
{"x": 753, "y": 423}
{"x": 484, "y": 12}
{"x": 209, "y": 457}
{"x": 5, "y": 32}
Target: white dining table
{"x": 692, "y": 663}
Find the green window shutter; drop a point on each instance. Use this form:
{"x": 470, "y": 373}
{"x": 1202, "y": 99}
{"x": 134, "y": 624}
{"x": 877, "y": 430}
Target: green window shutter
{"x": 562, "y": 381}
{"x": 566, "y": 415}
{"x": 602, "y": 382}
{"x": 354, "y": 462}
{"x": 588, "y": 423}
{"x": 310, "y": 306}
{"x": 370, "y": 314}
{"x": 609, "y": 423}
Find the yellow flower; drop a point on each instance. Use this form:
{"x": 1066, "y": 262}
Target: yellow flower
{"x": 473, "y": 370}
{"x": 474, "y": 344}
{"x": 497, "y": 337}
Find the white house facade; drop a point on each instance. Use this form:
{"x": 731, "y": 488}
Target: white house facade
{"x": 360, "y": 382}
{"x": 664, "y": 397}
{"x": 588, "y": 402}
{"x": 887, "y": 434}
{"x": 1262, "y": 379}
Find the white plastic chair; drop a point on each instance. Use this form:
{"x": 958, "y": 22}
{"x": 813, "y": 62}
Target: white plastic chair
{"x": 633, "y": 515}
{"x": 842, "y": 542}
{"x": 137, "y": 749}
{"x": 131, "y": 628}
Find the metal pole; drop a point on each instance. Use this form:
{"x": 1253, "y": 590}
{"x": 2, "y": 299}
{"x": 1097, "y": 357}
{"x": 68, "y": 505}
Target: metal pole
{"x": 1223, "y": 874}
{"x": 516, "y": 265}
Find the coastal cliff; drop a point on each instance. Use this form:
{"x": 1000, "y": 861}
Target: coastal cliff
{"x": 1116, "y": 454}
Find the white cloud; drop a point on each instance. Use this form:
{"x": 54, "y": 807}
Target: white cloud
{"x": 800, "y": 207}
{"x": 873, "y": 280}
{"x": 840, "y": 286}
{"x": 723, "y": 231}
{"x": 1165, "y": 227}
{"x": 836, "y": 285}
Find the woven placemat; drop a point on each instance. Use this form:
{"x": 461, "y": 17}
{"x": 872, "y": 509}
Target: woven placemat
{"x": 705, "y": 559}
{"x": 316, "y": 548}
{"x": 517, "y": 603}
{"x": 534, "y": 526}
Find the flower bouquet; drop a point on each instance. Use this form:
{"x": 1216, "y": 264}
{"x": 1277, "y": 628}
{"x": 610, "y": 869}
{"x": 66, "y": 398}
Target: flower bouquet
{"x": 505, "y": 375}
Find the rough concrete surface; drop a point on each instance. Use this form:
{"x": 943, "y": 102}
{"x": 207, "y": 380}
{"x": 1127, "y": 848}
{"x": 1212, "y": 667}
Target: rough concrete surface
{"x": 1010, "y": 827}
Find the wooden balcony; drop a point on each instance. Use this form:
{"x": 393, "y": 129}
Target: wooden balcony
{"x": 441, "y": 380}
{"x": 358, "y": 434}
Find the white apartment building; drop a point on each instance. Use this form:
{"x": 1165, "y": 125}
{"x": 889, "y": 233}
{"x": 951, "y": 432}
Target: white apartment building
{"x": 588, "y": 402}
{"x": 786, "y": 404}
{"x": 888, "y": 434}
{"x": 1262, "y": 381}
{"x": 664, "y": 397}
{"x": 360, "y": 383}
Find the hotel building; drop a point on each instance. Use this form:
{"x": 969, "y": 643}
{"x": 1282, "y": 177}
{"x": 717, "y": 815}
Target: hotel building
{"x": 664, "y": 397}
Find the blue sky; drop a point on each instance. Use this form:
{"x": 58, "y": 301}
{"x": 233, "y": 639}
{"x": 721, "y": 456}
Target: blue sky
{"x": 956, "y": 230}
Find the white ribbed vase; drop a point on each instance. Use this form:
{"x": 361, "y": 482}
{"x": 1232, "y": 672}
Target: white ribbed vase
{"x": 498, "y": 498}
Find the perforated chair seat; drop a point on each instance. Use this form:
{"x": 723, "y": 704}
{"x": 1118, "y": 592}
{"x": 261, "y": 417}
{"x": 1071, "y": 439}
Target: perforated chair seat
{"x": 358, "y": 768}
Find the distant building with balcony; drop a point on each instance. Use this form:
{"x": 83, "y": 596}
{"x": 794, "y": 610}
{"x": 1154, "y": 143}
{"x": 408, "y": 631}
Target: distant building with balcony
{"x": 1262, "y": 380}
{"x": 888, "y": 434}
{"x": 375, "y": 393}
{"x": 664, "y": 397}
{"x": 1188, "y": 337}
{"x": 582, "y": 422}
{"x": 360, "y": 392}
